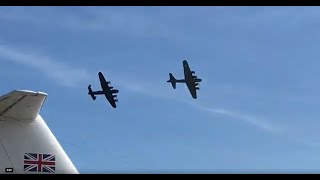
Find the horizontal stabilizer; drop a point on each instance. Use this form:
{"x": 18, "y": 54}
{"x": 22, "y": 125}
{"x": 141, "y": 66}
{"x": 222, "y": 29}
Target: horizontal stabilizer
{"x": 172, "y": 80}
{"x": 91, "y": 93}
{"x": 21, "y": 104}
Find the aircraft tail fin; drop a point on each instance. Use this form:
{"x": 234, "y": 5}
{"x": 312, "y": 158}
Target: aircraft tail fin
{"x": 28, "y": 146}
{"x": 91, "y": 93}
{"x": 173, "y": 80}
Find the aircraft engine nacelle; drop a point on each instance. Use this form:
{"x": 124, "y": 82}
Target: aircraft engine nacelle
{"x": 108, "y": 82}
{"x": 195, "y": 77}
{"x": 111, "y": 87}
{"x": 114, "y": 91}
{"x": 115, "y": 96}
{"x": 197, "y": 88}
{"x": 192, "y": 72}
{"x": 198, "y": 80}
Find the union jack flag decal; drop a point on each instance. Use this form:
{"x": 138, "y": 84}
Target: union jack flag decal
{"x": 34, "y": 162}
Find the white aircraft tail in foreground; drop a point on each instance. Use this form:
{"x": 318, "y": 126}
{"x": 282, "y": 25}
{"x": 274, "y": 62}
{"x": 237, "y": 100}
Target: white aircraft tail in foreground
{"x": 27, "y": 145}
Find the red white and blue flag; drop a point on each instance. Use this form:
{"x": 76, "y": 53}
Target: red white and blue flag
{"x": 34, "y": 162}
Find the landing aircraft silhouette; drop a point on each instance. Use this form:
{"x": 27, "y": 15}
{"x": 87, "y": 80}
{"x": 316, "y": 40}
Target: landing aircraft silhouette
{"x": 107, "y": 90}
{"x": 191, "y": 80}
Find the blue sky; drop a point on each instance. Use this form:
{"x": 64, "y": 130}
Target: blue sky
{"x": 257, "y": 109}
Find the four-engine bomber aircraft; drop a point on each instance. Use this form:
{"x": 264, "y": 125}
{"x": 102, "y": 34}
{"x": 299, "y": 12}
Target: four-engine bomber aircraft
{"x": 107, "y": 90}
{"x": 191, "y": 80}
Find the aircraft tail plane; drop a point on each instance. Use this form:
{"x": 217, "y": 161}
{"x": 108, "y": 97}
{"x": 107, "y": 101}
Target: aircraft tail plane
{"x": 27, "y": 145}
{"x": 91, "y": 93}
{"x": 173, "y": 80}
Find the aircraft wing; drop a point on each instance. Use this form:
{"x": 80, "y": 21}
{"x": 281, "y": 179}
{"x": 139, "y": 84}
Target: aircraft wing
{"x": 191, "y": 79}
{"x": 193, "y": 91}
{"x": 103, "y": 83}
{"x": 111, "y": 101}
{"x": 108, "y": 90}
